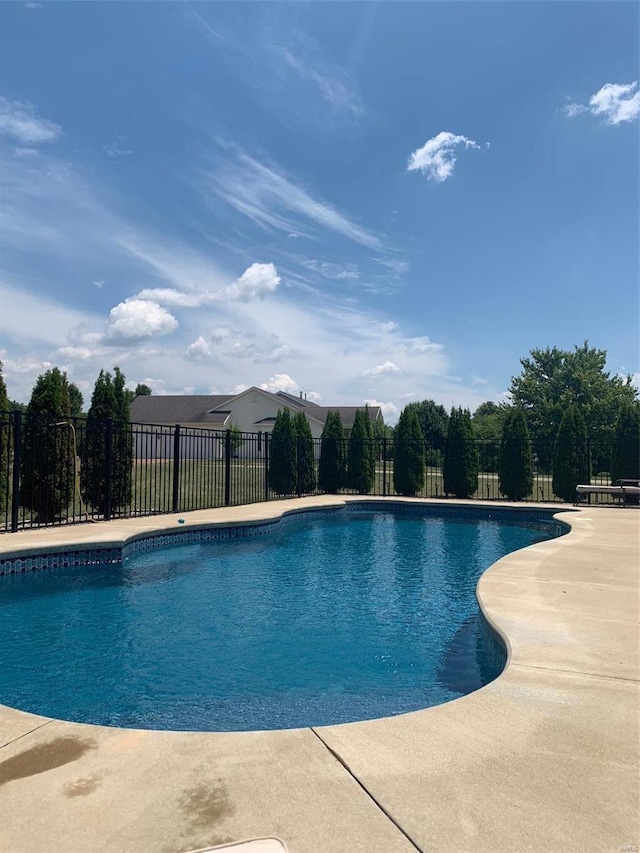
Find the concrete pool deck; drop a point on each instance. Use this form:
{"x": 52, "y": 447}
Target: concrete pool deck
{"x": 545, "y": 758}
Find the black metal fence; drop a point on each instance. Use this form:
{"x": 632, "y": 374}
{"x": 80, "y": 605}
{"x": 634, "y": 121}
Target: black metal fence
{"x": 62, "y": 472}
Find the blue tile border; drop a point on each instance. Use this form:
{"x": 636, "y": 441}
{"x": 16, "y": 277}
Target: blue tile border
{"x": 116, "y": 554}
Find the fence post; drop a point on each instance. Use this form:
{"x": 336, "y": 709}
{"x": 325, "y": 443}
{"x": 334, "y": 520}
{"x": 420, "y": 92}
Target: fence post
{"x": 15, "y": 481}
{"x": 298, "y": 467}
{"x": 266, "y": 466}
{"x": 384, "y": 466}
{"x": 227, "y": 467}
{"x": 108, "y": 467}
{"x": 176, "y": 467}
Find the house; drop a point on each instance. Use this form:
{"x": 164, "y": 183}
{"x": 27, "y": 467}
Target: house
{"x": 251, "y": 411}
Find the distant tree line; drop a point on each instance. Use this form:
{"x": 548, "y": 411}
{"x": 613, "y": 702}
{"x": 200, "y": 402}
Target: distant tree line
{"x": 566, "y": 417}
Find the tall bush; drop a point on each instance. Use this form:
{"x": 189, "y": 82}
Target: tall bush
{"x": 515, "y": 463}
{"x": 625, "y": 453}
{"x": 409, "y": 454}
{"x": 306, "y": 469}
{"x": 332, "y": 468}
{"x": 5, "y": 444}
{"x": 282, "y": 455}
{"x": 48, "y": 456}
{"x": 461, "y": 456}
{"x": 121, "y": 491}
{"x": 570, "y": 454}
{"x": 360, "y": 464}
{"x": 93, "y": 470}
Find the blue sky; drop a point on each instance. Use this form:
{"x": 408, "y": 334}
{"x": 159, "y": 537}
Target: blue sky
{"x": 362, "y": 201}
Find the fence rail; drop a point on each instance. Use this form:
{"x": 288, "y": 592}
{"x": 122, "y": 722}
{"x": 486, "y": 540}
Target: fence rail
{"x": 55, "y": 472}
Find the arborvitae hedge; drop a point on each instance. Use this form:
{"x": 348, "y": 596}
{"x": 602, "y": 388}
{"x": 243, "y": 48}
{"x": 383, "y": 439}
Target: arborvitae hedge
{"x": 461, "y": 456}
{"x": 331, "y": 468}
{"x": 306, "y": 461}
{"x": 93, "y": 471}
{"x": 122, "y": 444}
{"x": 625, "y": 456}
{"x": 5, "y": 443}
{"x": 360, "y": 464}
{"x": 515, "y": 463}
{"x": 570, "y": 455}
{"x": 409, "y": 454}
{"x": 48, "y": 468}
{"x": 282, "y": 455}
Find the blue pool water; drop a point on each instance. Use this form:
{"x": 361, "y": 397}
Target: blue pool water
{"x": 345, "y": 617}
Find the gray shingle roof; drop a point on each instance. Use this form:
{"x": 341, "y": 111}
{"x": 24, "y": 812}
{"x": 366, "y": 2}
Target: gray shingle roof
{"x": 194, "y": 409}
{"x": 177, "y": 409}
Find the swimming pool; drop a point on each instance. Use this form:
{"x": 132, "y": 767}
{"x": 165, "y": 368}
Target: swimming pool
{"x": 320, "y": 618}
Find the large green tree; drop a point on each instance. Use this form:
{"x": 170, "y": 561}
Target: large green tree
{"x": 551, "y": 379}
{"x": 460, "y": 456}
{"x": 570, "y": 454}
{"x": 625, "y": 464}
{"x": 408, "y": 454}
{"x": 515, "y": 465}
{"x": 360, "y": 460}
{"x": 5, "y": 444}
{"x": 332, "y": 465}
{"x": 487, "y": 423}
{"x": 282, "y": 455}
{"x": 306, "y": 465}
{"x": 48, "y": 453}
{"x": 433, "y": 420}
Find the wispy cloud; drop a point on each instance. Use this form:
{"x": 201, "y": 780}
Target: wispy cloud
{"x": 18, "y": 120}
{"x": 117, "y": 148}
{"x": 283, "y": 66}
{"x": 437, "y": 157}
{"x": 272, "y": 200}
{"x": 615, "y": 102}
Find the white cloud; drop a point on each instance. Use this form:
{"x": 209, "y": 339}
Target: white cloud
{"x": 436, "y": 159}
{"x": 616, "y": 102}
{"x": 75, "y": 353}
{"x": 255, "y": 283}
{"x": 199, "y": 350}
{"x": 396, "y": 265}
{"x": 135, "y": 319}
{"x": 275, "y": 355}
{"x": 390, "y": 412}
{"x": 380, "y": 370}
{"x": 573, "y": 110}
{"x": 19, "y": 121}
{"x": 280, "y": 382}
{"x": 330, "y": 270}
{"x": 98, "y": 283}
{"x": 271, "y": 200}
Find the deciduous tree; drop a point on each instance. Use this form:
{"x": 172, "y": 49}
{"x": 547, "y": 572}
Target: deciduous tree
{"x": 552, "y": 378}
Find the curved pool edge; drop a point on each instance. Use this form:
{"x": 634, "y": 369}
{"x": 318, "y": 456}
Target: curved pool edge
{"x": 557, "y": 731}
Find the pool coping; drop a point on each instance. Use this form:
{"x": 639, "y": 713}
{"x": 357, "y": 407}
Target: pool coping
{"x": 442, "y": 777}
